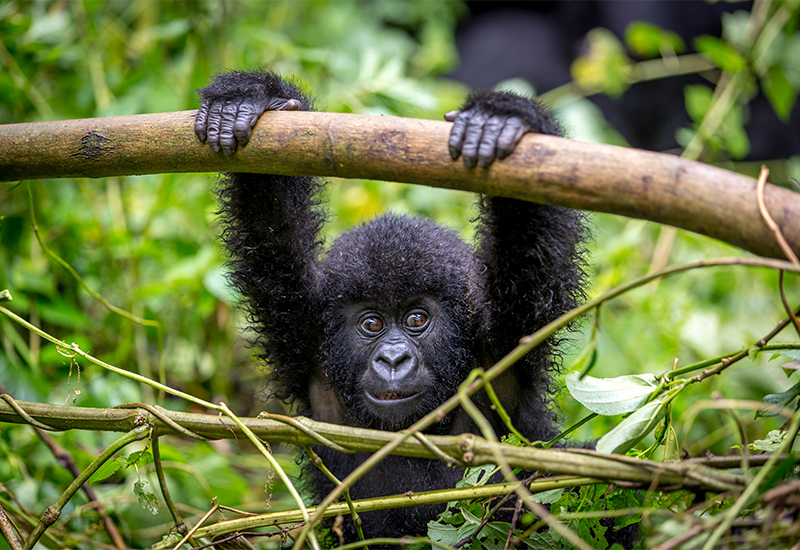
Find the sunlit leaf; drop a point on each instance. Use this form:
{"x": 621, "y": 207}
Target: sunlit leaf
{"x": 610, "y": 396}
{"x": 605, "y": 67}
{"x": 631, "y": 430}
{"x": 720, "y": 53}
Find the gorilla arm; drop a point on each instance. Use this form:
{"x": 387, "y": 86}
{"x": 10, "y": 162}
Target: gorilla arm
{"x": 531, "y": 251}
{"x": 270, "y": 227}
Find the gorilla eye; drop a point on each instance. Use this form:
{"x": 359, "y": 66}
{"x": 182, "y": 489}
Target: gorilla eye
{"x": 372, "y": 324}
{"x": 416, "y": 320}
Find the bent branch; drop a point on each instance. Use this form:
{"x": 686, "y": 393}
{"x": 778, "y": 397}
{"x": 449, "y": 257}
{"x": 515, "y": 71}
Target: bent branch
{"x": 639, "y": 184}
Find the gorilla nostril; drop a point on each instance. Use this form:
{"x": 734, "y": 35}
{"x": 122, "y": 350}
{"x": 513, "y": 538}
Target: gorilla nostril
{"x": 393, "y": 363}
{"x": 392, "y": 359}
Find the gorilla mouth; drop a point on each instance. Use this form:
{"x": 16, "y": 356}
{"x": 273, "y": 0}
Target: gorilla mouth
{"x": 393, "y": 395}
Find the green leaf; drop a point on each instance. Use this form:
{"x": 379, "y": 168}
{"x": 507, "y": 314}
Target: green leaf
{"x": 735, "y": 29}
{"x": 449, "y": 534}
{"x": 791, "y": 61}
{"x": 493, "y": 536}
{"x": 780, "y": 92}
{"x": 648, "y": 40}
{"x": 605, "y": 66}
{"x": 698, "y": 99}
{"x": 140, "y": 458}
{"x": 548, "y": 497}
{"x": 147, "y": 500}
{"x": 545, "y": 541}
{"x": 631, "y": 430}
{"x": 777, "y": 401}
{"x": 720, "y": 53}
{"x": 108, "y": 469}
{"x": 475, "y": 477}
{"x": 791, "y": 353}
{"x": 771, "y": 444}
{"x": 610, "y": 396}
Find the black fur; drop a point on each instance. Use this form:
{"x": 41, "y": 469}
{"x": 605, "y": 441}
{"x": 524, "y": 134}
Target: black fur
{"x": 307, "y": 307}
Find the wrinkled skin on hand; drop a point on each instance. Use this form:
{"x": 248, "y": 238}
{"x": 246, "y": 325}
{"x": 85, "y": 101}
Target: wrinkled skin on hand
{"x": 224, "y": 124}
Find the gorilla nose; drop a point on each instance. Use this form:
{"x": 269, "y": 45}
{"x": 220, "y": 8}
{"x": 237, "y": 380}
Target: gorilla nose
{"x": 395, "y": 362}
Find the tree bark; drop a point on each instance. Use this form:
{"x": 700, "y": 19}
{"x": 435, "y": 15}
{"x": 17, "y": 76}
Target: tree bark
{"x": 546, "y": 169}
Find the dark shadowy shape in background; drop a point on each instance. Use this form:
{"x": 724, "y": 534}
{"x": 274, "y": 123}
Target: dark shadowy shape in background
{"x": 538, "y": 41}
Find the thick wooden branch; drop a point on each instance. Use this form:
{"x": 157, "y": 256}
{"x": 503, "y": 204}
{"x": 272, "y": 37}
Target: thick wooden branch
{"x": 635, "y": 183}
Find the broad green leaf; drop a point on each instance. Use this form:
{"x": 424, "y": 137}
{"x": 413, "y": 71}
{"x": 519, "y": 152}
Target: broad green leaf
{"x": 610, "y": 396}
{"x": 450, "y": 534}
{"x": 777, "y": 401}
{"x": 108, "y": 469}
{"x": 631, "y": 430}
{"x": 780, "y": 93}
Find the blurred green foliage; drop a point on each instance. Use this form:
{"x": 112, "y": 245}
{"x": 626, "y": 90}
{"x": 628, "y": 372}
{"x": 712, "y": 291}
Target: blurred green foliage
{"x": 147, "y": 243}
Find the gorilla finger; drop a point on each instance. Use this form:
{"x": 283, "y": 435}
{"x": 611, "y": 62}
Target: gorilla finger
{"x": 451, "y": 116}
{"x": 292, "y": 105}
{"x": 513, "y": 131}
{"x": 212, "y": 128}
{"x": 488, "y": 143}
{"x": 200, "y": 121}
{"x": 280, "y": 104}
{"x": 472, "y": 139}
{"x": 230, "y": 112}
{"x": 245, "y": 120}
{"x": 457, "y": 133}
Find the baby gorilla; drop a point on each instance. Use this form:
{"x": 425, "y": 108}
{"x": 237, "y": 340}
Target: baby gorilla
{"x": 385, "y": 325}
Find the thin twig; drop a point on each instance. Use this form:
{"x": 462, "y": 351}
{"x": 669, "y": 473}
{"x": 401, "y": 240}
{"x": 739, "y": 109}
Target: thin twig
{"x": 317, "y": 462}
{"x": 180, "y": 526}
{"x": 202, "y": 520}
{"x": 786, "y": 306}
{"x": 7, "y": 529}
{"x": 762, "y": 207}
{"x": 513, "y": 526}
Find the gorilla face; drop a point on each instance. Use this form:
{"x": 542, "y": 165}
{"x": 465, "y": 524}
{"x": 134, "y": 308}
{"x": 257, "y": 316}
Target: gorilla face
{"x": 396, "y": 375}
{"x": 392, "y": 364}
